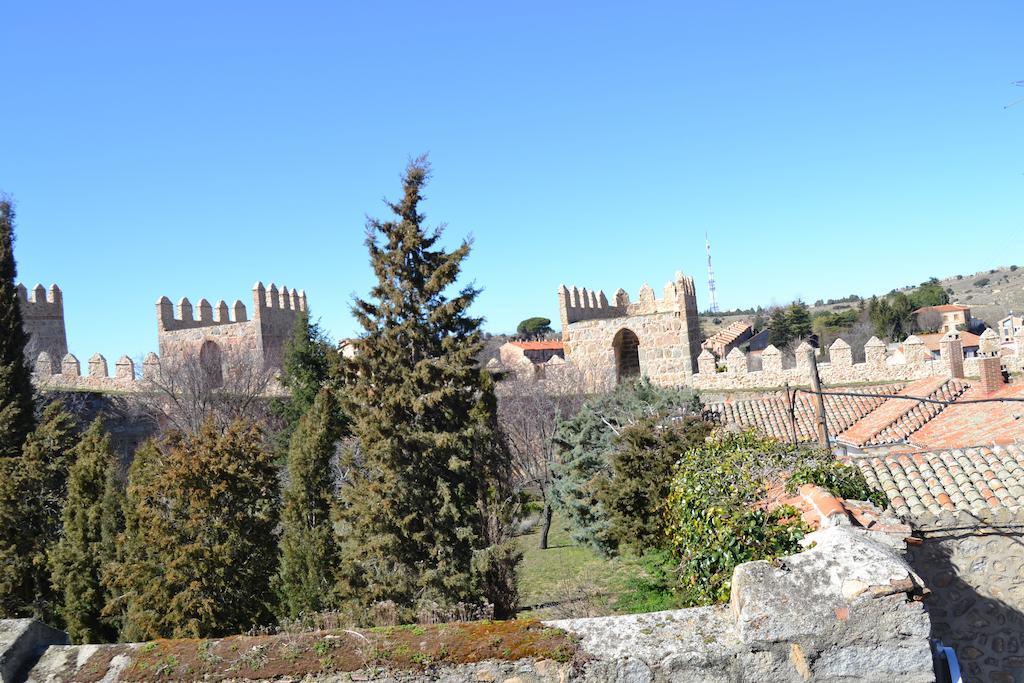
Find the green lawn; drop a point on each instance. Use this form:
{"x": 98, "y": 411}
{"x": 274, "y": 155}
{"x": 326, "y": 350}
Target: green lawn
{"x": 568, "y": 580}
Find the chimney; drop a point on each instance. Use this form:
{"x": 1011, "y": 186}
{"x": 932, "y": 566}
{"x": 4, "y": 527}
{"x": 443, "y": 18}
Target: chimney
{"x": 991, "y": 371}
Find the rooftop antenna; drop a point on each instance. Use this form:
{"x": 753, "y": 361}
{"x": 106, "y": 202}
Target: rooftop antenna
{"x": 711, "y": 277}
{"x": 1016, "y": 102}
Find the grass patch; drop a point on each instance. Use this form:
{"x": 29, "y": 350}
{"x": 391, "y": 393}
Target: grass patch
{"x": 568, "y": 580}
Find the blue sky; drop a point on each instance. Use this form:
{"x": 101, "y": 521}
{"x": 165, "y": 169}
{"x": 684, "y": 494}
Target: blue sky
{"x": 191, "y": 148}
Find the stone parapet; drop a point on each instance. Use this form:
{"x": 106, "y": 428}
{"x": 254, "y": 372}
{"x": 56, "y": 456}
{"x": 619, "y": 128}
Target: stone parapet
{"x": 846, "y": 609}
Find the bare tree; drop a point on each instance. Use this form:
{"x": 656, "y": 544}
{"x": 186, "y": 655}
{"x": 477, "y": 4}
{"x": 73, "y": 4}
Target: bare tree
{"x": 188, "y": 389}
{"x": 928, "y": 321}
{"x": 529, "y": 412}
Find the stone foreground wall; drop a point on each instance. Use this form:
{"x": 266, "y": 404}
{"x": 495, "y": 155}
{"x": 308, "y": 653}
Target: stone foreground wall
{"x": 845, "y": 609}
{"x": 975, "y": 569}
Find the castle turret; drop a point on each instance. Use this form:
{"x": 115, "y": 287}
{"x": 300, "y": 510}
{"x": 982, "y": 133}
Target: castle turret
{"x": 42, "y": 315}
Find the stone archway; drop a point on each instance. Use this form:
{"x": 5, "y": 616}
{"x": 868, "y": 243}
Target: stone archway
{"x": 627, "y": 355}
{"x": 211, "y": 364}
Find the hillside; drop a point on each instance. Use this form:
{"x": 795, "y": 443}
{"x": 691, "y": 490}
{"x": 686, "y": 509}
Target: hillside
{"x": 991, "y": 294}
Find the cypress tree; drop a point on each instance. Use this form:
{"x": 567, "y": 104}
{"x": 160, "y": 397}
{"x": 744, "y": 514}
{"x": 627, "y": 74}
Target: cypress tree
{"x": 412, "y": 521}
{"x": 199, "y": 548}
{"x": 32, "y": 492}
{"x": 86, "y": 548}
{"x": 16, "y": 404}
{"x": 309, "y": 553}
{"x": 309, "y": 362}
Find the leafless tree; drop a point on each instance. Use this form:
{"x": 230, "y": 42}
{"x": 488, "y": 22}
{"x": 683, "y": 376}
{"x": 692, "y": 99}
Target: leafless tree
{"x": 928, "y": 321}
{"x": 529, "y": 412}
{"x": 188, "y": 389}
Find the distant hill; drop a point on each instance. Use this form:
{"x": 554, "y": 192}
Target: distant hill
{"x": 991, "y": 294}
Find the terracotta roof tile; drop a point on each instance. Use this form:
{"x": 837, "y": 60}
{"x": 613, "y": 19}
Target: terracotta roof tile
{"x": 975, "y": 424}
{"x": 944, "y": 308}
{"x": 770, "y": 416}
{"x": 727, "y": 334}
{"x": 968, "y": 479}
{"x": 539, "y": 345}
{"x": 896, "y": 419}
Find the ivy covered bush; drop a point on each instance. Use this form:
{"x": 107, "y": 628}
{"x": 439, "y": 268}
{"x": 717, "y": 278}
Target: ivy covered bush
{"x": 714, "y": 520}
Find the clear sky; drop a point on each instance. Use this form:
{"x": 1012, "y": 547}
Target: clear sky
{"x": 191, "y": 148}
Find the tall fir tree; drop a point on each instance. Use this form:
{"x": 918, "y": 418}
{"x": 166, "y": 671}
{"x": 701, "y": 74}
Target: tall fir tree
{"x": 33, "y": 488}
{"x": 16, "y": 403}
{"x": 199, "y": 550}
{"x": 309, "y": 363}
{"x": 87, "y": 545}
{"x": 309, "y": 555}
{"x": 412, "y": 519}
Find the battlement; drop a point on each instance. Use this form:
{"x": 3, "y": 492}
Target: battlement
{"x": 204, "y": 314}
{"x": 40, "y": 302}
{"x": 271, "y": 298}
{"x": 578, "y": 304}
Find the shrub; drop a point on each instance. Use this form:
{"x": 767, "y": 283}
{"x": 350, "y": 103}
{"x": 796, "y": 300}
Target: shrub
{"x": 981, "y": 282}
{"x": 1013, "y": 268}
{"x": 634, "y": 493}
{"x": 715, "y": 521}
{"x": 585, "y": 446}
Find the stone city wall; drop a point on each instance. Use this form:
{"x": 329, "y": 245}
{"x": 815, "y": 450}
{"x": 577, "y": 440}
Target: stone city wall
{"x": 666, "y": 333}
{"x": 878, "y": 367}
{"x": 973, "y": 562}
{"x": 846, "y": 609}
{"x": 42, "y": 314}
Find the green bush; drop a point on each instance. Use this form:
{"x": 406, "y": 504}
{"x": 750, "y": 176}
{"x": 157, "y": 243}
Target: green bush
{"x": 634, "y": 492}
{"x": 714, "y": 521}
{"x": 586, "y": 444}
{"x": 981, "y": 282}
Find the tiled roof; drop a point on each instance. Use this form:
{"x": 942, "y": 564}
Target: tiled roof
{"x": 931, "y": 340}
{"x": 975, "y": 424}
{"x": 539, "y": 345}
{"x": 944, "y": 308}
{"x": 770, "y": 414}
{"x": 894, "y": 420}
{"x": 727, "y": 334}
{"x": 970, "y": 480}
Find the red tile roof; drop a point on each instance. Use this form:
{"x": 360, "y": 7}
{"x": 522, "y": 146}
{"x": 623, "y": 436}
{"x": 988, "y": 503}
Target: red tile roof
{"x": 975, "y": 424}
{"x": 539, "y": 345}
{"x": 770, "y": 414}
{"x": 944, "y": 308}
{"x": 931, "y": 340}
{"x": 727, "y": 334}
{"x": 970, "y": 480}
{"x": 896, "y": 419}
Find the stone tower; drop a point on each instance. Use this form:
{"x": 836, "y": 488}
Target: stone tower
{"x": 610, "y": 341}
{"x": 215, "y": 330}
{"x": 42, "y": 314}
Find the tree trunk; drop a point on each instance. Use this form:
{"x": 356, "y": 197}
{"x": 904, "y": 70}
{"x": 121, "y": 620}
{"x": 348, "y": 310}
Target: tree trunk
{"x": 547, "y": 525}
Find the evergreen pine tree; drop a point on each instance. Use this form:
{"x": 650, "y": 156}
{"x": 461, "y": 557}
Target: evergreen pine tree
{"x": 199, "y": 550}
{"x": 412, "y": 518}
{"x": 32, "y": 492}
{"x": 86, "y": 547}
{"x": 16, "y": 406}
{"x": 309, "y": 362}
{"x": 309, "y": 554}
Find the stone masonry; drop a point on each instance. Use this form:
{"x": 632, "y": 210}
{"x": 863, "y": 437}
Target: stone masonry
{"x": 210, "y": 331}
{"x": 660, "y": 339}
{"x": 220, "y": 329}
{"x": 42, "y": 316}
{"x": 847, "y": 609}
{"x": 610, "y": 341}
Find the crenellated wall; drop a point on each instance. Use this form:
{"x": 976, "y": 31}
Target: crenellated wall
{"x": 42, "y": 314}
{"x": 67, "y": 374}
{"x": 229, "y": 329}
{"x": 599, "y": 335}
{"x": 878, "y": 366}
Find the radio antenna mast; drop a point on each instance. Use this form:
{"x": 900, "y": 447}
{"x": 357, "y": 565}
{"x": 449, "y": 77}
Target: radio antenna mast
{"x": 711, "y": 277}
